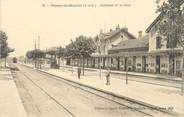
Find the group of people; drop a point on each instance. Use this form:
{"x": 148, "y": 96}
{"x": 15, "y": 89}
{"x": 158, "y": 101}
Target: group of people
{"x": 107, "y": 74}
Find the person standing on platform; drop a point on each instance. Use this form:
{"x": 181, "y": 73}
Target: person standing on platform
{"x": 108, "y": 76}
{"x": 79, "y": 72}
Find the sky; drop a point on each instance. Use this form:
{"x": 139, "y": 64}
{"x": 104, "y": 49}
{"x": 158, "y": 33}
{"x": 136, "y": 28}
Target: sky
{"x": 25, "y": 20}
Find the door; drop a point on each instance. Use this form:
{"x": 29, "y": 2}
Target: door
{"x": 125, "y": 68}
{"x": 134, "y": 63}
{"x": 171, "y": 64}
{"x": 158, "y": 64}
{"x": 143, "y": 64}
{"x": 118, "y": 63}
{"x": 104, "y": 59}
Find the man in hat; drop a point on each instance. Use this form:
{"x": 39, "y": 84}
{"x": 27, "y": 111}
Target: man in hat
{"x": 79, "y": 72}
{"x": 108, "y": 76}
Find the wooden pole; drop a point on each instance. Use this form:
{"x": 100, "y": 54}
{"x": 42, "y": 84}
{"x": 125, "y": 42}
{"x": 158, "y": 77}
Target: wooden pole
{"x": 100, "y": 67}
{"x": 182, "y": 82}
{"x": 126, "y": 76}
{"x": 83, "y": 65}
{"x": 126, "y": 70}
{"x": 5, "y": 62}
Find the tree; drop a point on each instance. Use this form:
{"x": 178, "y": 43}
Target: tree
{"x": 60, "y": 53}
{"x": 172, "y": 27}
{"x": 85, "y": 46}
{"x": 53, "y": 53}
{"x": 32, "y": 54}
{"x": 4, "y": 49}
{"x": 36, "y": 55}
{"x": 82, "y": 47}
{"x": 72, "y": 51}
{"x": 29, "y": 54}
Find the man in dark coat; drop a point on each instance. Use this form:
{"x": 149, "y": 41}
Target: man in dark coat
{"x": 79, "y": 72}
{"x": 108, "y": 76}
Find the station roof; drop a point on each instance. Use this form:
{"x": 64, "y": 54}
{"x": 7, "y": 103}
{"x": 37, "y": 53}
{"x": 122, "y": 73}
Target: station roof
{"x": 134, "y": 43}
{"x": 111, "y": 34}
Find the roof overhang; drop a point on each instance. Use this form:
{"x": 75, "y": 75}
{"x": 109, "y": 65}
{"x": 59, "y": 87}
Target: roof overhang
{"x": 159, "y": 17}
{"x": 131, "y": 36}
{"x": 166, "y": 52}
{"x": 129, "y": 49}
{"x": 127, "y": 54}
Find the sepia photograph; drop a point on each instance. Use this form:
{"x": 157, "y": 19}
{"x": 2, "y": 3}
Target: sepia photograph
{"x": 91, "y": 58}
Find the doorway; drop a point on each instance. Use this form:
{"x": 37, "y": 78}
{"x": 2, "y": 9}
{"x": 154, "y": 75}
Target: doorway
{"x": 125, "y": 68}
{"x": 171, "y": 64}
{"x": 143, "y": 63}
{"x": 158, "y": 64}
{"x": 134, "y": 63}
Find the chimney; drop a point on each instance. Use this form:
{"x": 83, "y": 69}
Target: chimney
{"x": 139, "y": 34}
{"x": 101, "y": 31}
{"x": 125, "y": 29}
{"x": 118, "y": 27}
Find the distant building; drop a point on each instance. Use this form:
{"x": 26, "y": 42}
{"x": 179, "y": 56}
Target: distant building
{"x": 112, "y": 38}
{"x": 131, "y": 55}
{"x": 106, "y": 42}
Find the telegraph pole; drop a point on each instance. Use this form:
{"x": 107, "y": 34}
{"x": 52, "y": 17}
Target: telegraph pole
{"x": 35, "y": 53}
{"x": 38, "y": 42}
{"x": 71, "y": 62}
{"x": 39, "y": 59}
{"x": 100, "y": 66}
{"x": 99, "y": 51}
{"x": 182, "y": 82}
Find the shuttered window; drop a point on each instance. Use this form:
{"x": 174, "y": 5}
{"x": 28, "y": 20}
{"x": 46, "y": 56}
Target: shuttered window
{"x": 158, "y": 42}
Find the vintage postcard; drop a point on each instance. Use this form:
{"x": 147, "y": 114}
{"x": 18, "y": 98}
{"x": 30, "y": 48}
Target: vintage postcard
{"x": 92, "y": 58}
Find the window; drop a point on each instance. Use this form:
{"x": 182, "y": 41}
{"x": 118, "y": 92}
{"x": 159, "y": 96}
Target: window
{"x": 158, "y": 42}
{"x": 104, "y": 49}
{"x": 121, "y": 62}
{"x": 121, "y": 36}
{"x": 151, "y": 64}
{"x": 164, "y": 65}
{"x": 112, "y": 61}
{"x": 171, "y": 43}
{"x": 153, "y": 31}
{"x": 129, "y": 62}
{"x": 178, "y": 63}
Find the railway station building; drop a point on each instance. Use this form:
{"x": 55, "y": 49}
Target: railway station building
{"x": 121, "y": 50}
{"x": 149, "y": 53}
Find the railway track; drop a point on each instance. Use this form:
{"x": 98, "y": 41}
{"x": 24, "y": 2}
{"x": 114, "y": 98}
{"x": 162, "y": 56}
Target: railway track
{"x": 125, "y": 102}
{"x": 67, "y": 110}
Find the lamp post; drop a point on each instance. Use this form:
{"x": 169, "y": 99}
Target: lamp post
{"x": 39, "y": 56}
{"x": 126, "y": 70}
{"x": 34, "y": 53}
{"x": 182, "y": 84}
{"x": 99, "y": 51}
{"x": 100, "y": 65}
